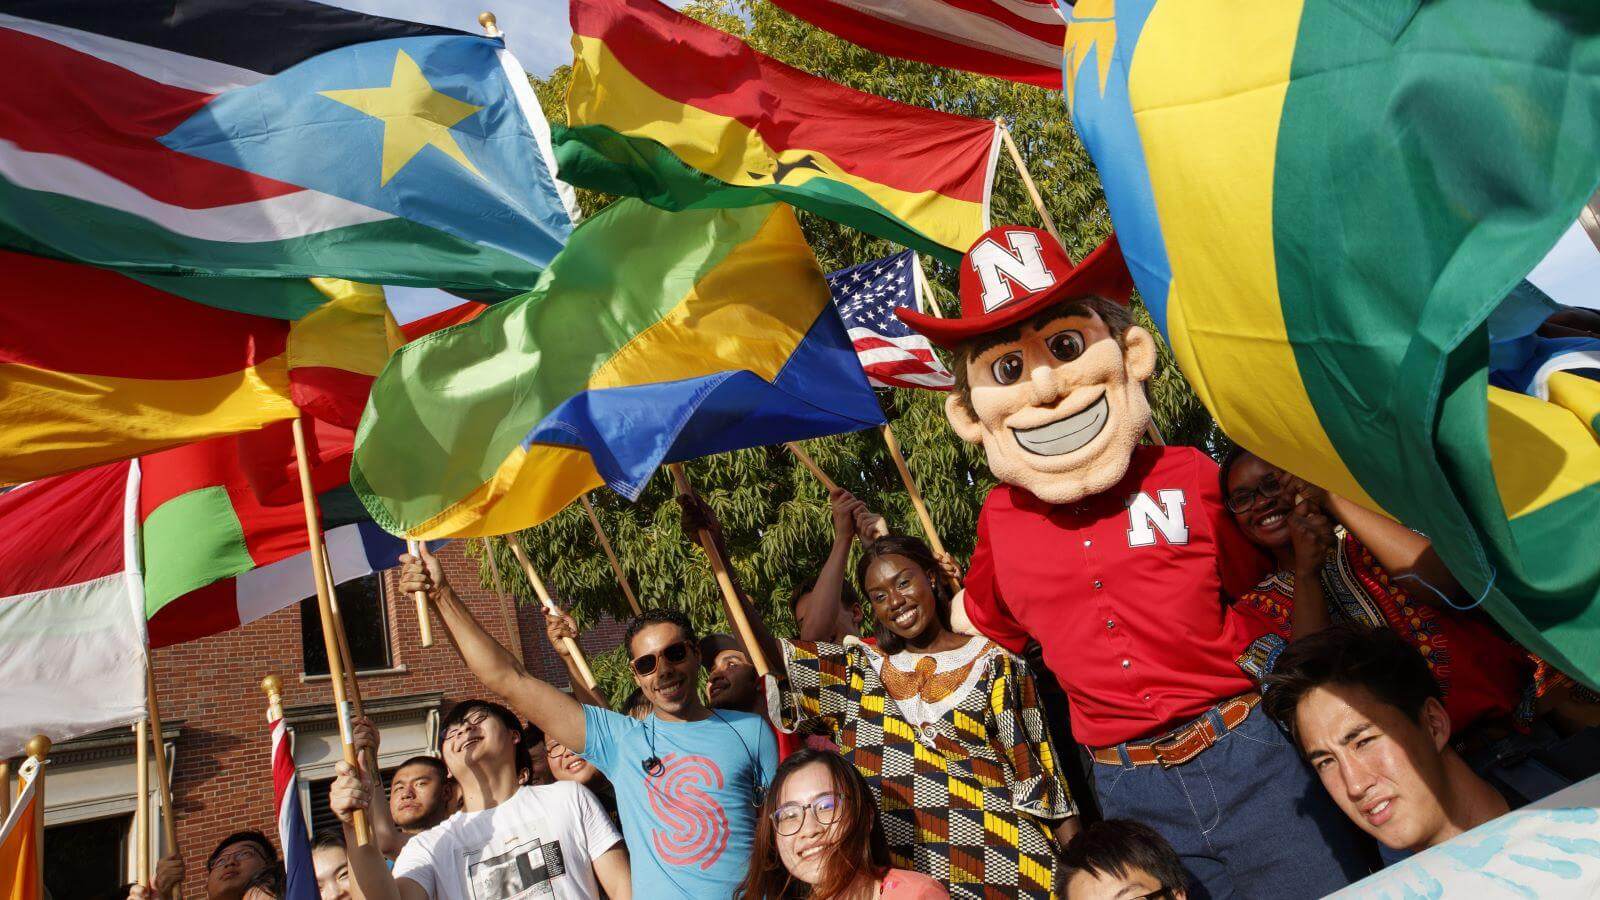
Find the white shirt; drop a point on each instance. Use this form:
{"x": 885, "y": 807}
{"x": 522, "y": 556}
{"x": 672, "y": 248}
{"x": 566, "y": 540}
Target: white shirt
{"x": 540, "y": 843}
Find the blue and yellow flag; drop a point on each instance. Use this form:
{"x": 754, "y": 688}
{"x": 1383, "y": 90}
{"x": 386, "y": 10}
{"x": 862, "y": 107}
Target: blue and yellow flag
{"x": 1322, "y": 204}
{"x": 654, "y": 337}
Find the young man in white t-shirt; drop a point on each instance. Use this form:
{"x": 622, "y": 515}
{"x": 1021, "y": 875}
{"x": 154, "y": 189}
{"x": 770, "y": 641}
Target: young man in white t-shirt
{"x": 508, "y": 842}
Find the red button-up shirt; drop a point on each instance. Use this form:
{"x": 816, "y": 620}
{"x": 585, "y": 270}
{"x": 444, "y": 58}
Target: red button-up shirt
{"x": 1128, "y": 592}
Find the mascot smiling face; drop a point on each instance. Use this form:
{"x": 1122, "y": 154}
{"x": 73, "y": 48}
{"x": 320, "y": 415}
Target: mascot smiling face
{"x": 1049, "y": 367}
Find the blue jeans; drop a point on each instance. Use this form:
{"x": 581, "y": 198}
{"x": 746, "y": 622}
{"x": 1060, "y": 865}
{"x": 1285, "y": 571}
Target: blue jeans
{"x": 1246, "y": 816}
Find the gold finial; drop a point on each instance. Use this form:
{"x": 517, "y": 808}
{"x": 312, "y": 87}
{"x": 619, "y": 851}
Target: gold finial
{"x": 487, "y": 20}
{"x": 38, "y": 746}
{"x": 272, "y": 686}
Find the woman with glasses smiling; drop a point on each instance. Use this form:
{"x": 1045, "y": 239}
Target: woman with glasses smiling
{"x": 819, "y": 837}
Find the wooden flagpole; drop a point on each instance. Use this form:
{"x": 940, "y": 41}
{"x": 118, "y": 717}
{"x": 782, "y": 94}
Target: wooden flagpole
{"x": 141, "y": 803}
{"x": 616, "y": 566}
{"x": 507, "y": 611}
{"x": 330, "y": 627}
{"x": 811, "y": 465}
{"x": 169, "y": 824}
{"x": 38, "y": 748}
{"x": 521, "y": 553}
{"x": 925, "y": 290}
{"x": 424, "y": 624}
{"x": 352, "y": 687}
{"x": 5, "y": 789}
{"x": 911, "y": 488}
{"x": 719, "y": 570}
{"x": 1027, "y": 180}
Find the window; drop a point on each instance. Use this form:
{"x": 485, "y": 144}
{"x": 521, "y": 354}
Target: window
{"x": 85, "y": 859}
{"x": 318, "y": 810}
{"x": 366, "y": 627}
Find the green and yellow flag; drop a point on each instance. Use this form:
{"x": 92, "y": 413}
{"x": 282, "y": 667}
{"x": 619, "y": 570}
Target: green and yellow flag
{"x": 1322, "y": 204}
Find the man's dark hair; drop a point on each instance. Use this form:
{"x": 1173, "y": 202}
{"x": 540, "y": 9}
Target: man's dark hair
{"x": 519, "y": 751}
{"x": 327, "y": 839}
{"x": 431, "y": 762}
{"x": 1377, "y": 659}
{"x": 1117, "y": 316}
{"x": 657, "y": 615}
{"x": 1116, "y": 846}
{"x": 847, "y": 593}
{"x": 269, "y": 880}
{"x": 242, "y": 837}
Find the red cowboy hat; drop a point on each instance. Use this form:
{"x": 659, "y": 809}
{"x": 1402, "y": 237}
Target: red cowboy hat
{"x": 1012, "y": 272}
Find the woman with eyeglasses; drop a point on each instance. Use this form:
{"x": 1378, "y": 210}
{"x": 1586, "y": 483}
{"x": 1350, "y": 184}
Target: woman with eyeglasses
{"x": 1378, "y": 573}
{"x": 946, "y": 728}
{"x": 819, "y": 837}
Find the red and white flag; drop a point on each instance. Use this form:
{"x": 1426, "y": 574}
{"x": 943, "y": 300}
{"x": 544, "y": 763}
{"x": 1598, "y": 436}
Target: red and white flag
{"x": 1019, "y": 40}
{"x": 72, "y": 624}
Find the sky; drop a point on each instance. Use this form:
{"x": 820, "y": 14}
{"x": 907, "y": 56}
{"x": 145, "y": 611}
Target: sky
{"x": 536, "y": 30}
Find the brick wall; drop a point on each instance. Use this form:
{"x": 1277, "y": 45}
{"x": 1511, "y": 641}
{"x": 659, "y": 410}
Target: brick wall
{"x": 222, "y": 781}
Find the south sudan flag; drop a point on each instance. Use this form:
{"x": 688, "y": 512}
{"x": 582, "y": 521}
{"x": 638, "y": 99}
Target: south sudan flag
{"x": 1322, "y": 204}
{"x": 673, "y": 111}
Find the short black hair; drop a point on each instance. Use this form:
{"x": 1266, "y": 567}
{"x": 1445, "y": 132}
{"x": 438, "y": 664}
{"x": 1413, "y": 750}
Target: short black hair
{"x": 658, "y": 615}
{"x": 1377, "y": 659}
{"x": 432, "y": 762}
{"x": 1115, "y": 846}
{"x": 250, "y": 836}
{"x": 519, "y": 751}
{"x": 327, "y": 838}
{"x": 270, "y": 879}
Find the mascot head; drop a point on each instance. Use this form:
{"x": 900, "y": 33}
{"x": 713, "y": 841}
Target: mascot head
{"x": 1049, "y": 367}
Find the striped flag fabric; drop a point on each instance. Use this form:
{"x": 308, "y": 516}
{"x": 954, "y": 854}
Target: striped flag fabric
{"x": 72, "y": 637}
{"x": 1341, "y": 325}
{"x": 273, "y": 138}
{"x": 892, "y": 355}
{"x": 300, "y": 878}
{"x": 670, "y": 110}
{"x": 1019, "y": 40}
{"x": 717, "y": 334}
{"x": 96, "y": 366}
{"x": 216, "y": 556}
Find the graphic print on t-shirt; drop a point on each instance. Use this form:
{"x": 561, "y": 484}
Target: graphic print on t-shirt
{"x": 696, "y": 826}
{"x": 524, "y": 870}
{"x": 1144, "y": 518}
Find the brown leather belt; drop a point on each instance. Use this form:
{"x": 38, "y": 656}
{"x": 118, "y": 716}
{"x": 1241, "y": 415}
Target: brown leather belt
{"x": 1180, "y": 745}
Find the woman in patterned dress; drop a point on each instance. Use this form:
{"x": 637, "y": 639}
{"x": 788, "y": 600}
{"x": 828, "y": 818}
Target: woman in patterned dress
{"x": 946, "y": 729}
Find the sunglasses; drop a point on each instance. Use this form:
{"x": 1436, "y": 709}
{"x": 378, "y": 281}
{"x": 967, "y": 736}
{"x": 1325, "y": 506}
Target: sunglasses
{"x": 672, "y": 653}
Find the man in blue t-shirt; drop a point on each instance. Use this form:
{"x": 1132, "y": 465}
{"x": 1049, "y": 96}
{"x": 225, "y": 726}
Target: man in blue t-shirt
{"x": 688, "y": 778}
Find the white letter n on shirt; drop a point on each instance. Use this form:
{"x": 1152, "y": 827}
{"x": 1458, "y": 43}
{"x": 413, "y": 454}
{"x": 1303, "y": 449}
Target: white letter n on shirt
{"x": 1143, "y": 513}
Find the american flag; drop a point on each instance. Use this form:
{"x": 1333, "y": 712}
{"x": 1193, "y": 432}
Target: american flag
{"x": 892, "y": 354}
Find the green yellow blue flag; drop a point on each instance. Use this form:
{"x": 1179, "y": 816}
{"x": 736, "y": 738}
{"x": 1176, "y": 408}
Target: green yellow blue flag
{"x": 653, "y": 337}
{"x": 1322, "y": 204}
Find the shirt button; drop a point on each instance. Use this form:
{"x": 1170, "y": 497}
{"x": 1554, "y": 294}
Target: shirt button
{"x": 1112, "y": 624}
{"x": 1147, "y": 698}
{"x": 1098, "y": 585}
{"x": 1088, "y": 543}
{"x": 1126, "y": 663}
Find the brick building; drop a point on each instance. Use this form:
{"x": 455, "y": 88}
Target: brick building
{"x": 215, "y": 723}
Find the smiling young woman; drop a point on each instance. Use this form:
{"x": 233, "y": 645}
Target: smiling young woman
{"x": 944, "y": 727}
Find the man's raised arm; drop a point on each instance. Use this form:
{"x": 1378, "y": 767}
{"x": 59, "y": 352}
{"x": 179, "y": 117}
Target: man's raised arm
{"x": 540, "y": 702}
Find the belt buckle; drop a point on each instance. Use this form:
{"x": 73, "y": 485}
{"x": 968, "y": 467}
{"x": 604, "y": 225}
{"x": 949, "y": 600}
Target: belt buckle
{"x": 1183, "y": 736}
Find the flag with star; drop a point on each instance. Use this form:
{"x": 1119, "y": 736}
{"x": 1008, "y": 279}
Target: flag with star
{"x": 279, "y": 139}
{"x": 891, "y": 354}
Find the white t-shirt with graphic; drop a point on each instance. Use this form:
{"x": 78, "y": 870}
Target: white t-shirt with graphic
{"x": 540, "y": 843}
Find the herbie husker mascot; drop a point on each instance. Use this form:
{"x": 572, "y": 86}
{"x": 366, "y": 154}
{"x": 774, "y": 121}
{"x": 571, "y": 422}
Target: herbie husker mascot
{"x": 1122, "y": 561}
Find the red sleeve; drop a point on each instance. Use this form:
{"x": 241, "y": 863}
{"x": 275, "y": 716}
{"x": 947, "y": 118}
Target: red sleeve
{"x": 1240, "y": 564}
{"x": 984, "y": 605}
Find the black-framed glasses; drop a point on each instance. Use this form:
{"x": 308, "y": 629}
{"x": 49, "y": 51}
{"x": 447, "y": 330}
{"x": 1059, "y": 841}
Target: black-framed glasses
{"x": 788, "y": 817}
{"x": 471, "y": 720}
{"x": 673, "y": 653}
{"x": 241, "y": 854}
{"x": 1243, "y": 500}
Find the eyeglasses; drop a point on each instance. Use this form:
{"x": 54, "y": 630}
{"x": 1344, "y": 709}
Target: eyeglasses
{"x": 672, "y": 653}
{"x": 1245, "y": 499}
{"x": 788, "y": 817}
{"x": 472, "y": 720}
{"x": 240, "y": 855}
{"x": 556, "y": 750}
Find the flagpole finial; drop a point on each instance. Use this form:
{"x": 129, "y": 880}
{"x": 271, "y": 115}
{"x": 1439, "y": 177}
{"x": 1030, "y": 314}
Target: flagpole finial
{"x": 272, "y": 686}
{"x": 38, "y": 747}
{"x": 490, "y": 27}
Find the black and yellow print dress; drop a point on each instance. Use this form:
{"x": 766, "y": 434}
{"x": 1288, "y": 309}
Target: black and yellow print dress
{"x": 955, "y": 748}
